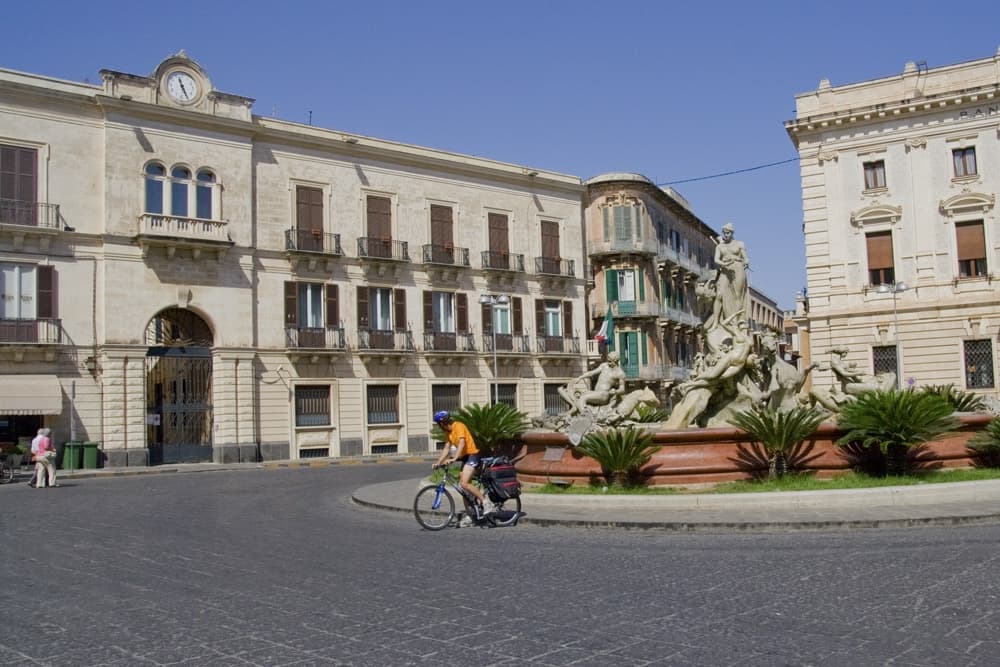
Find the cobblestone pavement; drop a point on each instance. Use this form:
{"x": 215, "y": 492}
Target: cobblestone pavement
{"x": 278, "y": 567}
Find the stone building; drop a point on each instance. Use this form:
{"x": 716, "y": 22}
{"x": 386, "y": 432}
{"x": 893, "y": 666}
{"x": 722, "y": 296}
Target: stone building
{"x": 899, "y": 184}
{"x": 184, "y": 280}
{"x": 648, "y": 251}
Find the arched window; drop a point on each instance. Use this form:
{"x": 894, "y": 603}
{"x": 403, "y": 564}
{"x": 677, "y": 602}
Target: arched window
{"x": 180, "y": 178}
{"x": 203, "y": 199}
{"x": 155, "y": 175}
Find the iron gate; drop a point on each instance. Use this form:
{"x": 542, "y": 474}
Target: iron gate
{"x": 179, "y": 404}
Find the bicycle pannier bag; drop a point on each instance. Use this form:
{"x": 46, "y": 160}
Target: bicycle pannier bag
{"x": 501, "y": 481}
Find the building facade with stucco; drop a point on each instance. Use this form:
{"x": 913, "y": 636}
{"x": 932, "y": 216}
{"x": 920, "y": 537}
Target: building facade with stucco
{"x": 899, "y": 184}
{"x": 184, "y": 280}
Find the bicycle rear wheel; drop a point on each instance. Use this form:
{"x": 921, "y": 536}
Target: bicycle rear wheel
{"x": 507, "y": 511}
{"x": 434, "y": 508}
{"x": 6, "y": 472}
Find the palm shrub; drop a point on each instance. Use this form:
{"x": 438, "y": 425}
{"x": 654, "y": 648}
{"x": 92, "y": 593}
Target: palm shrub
{"x": 961, "y": 401}
{"x": 986, "y": 444}
{"x": 894, "y": 421}
{"x": 620, "y": 452}
{"x": 779, "y": 432}
{"x": 491, "y": 425}
{"x": 650, "y": 414}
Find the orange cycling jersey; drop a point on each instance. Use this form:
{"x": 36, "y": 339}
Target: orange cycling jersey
{"x": 458, "y": 431}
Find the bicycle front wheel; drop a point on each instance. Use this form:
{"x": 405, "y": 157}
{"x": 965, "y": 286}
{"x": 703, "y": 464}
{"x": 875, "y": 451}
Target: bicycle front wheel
{"x": 6, "y": 472}
{"x": 434, "y": 507}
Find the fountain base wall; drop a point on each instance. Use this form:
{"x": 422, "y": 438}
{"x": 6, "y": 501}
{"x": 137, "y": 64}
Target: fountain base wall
{"x": 710, "y": 455}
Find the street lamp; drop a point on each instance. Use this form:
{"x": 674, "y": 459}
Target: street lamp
{"x": 494, "y": 300}
{"x": 894, "y": 289}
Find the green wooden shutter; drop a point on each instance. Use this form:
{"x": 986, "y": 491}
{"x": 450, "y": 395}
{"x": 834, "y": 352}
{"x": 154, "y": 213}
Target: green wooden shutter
{"x": 642, "y": 285}
{"x": 645, "y": 358}
{"x": 638, "y": 223}
{"x": 607, "y": 224}
{"x": 611, "y": 282}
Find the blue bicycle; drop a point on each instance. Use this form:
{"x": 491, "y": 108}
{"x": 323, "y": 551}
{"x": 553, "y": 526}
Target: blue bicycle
{"x": 434, "y": 506}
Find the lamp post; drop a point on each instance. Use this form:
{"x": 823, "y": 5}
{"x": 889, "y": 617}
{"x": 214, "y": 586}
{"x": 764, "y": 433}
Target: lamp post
{"x": 494, "y": 300}
{"x": 894, "y": 289}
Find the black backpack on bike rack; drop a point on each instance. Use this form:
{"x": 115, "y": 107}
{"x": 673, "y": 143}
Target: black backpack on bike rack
{"x": 500, "y": 480}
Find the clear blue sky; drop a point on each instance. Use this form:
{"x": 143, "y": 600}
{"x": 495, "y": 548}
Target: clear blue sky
{"x": 672, "y": 90}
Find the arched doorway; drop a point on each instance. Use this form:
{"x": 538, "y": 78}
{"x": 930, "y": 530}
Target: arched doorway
{"x": 178, "y": 388}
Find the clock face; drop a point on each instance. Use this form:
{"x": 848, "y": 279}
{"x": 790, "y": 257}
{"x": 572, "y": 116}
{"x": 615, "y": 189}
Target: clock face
{"x": 182, "y": 87}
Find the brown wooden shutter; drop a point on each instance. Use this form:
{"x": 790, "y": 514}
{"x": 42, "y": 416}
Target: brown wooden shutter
{"x": 363, "y": 320}
{"x": 567, "y": 319}
{"x": 487, "y": 314}
{"x": 498, "y": 233}
{"x": 971, "y": 241}
{"x": 517, "y": 318}
{"x": 332, "y": 306}
{"x": 18, "y": 168}
{"x": 428, "y": 311}
{"x": 879, "y": 250}
{"x": 399, "y": 303}
{"x": 291, "y": 303}
{"x": 379, "y": 217}
{"x": 442, "y": 225}
{"x": 550, "y": 239}
{"x": 47, "y": 301}
{"x": 462, "y": 313}
{"x": 540, "y": 317}
{"x": 309, "y": 209}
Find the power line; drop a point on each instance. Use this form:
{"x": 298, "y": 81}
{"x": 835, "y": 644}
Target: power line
{"x": 730, "y": 173}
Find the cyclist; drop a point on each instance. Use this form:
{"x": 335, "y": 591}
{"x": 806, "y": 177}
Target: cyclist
{"x": 462, "y": 448}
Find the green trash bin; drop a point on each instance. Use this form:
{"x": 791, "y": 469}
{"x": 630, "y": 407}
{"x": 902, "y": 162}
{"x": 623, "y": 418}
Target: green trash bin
{"x": 90, "y": 453}
{"x": 72, "y": 456}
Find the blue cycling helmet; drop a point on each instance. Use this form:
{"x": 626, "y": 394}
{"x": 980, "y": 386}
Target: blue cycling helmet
{"x": 441, "y": 416}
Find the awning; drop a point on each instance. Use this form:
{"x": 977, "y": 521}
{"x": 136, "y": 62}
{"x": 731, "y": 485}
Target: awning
{"x": 30, "y": 395}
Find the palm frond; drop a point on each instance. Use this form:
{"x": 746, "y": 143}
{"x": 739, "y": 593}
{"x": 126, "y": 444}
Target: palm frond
{"x": 960, "y": 400}
{"x": 778, "y": 431}
{"x": 619, "y": 450}
{"x": 492, "y": 425}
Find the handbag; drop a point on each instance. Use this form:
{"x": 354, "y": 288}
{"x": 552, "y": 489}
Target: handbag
{"x": 50, "y": 454}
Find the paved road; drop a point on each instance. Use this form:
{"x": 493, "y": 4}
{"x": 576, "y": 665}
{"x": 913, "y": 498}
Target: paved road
{"x": 277, "y": 567}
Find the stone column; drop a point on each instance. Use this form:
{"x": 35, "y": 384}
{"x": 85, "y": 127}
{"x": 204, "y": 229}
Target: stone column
{"x": 234, "y": 438}
{"x": 123, "y": 380}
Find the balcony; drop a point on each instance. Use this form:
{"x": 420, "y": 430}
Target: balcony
{"x": 507, "y": 344}
{"x": 677, "y": 263}
{"x": 384, "y": 344}
{"x": 625, "y": 246}
{"x": 633, "y": 309}
{"x": 558, "y": 345}
{"x": 173, "y": 232}
{"x": 384, "y": 255}
{"x": 646, "y": 372}
{"x": 443, "y": 262}
{"x": 443, "y": 345}
{"x": 679, "y": 318}
{"x": 27, "y": 219}
{"x": 311, "y": 246}
{"x": 555, "y": 266}
{"x": 315, "y": 341}
{"x": 23, "y": 335}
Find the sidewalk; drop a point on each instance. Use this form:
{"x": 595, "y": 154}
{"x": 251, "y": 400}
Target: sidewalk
{"x": 930, "y": 504}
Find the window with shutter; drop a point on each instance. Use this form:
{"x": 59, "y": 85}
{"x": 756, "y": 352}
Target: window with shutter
{"x": 971, "y": 243}
{"x": 518, "y": 320}
{"x": 567, "y": 319}
{"x": 880, "y": 261}
{"x": 462, "y": 313}
{"x": 18, "y": 185}
{"x": 291, "y": 304}
{"x": 332, "y": 306}
{"x": 47, "y": 294}
{"x": 874, "y": 174}
{"x": 399, "y": 301}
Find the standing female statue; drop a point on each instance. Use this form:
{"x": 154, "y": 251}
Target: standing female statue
{"x": 730, "y": 279}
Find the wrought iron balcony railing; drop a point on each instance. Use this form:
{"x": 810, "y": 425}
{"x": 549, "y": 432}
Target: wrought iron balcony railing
{"x": 626, "y": 309}
{"x": 385, "y": 340}
{"x": 558, "y": 344}
{"x": 46, "y": 331}
{"x": 514, "y": 343}
{"x": 373, "y": 248}
{"x": 193, "y": 229}
{"x": 555, "y": 266}
{"x": 29, "y": 213}
{"x": 307, "y": 240}
{"x": 503, "y": 261}
{"x": 449, "y": 342}
{"x": 445, "y": 254}
{"x": 317, "y": 338}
